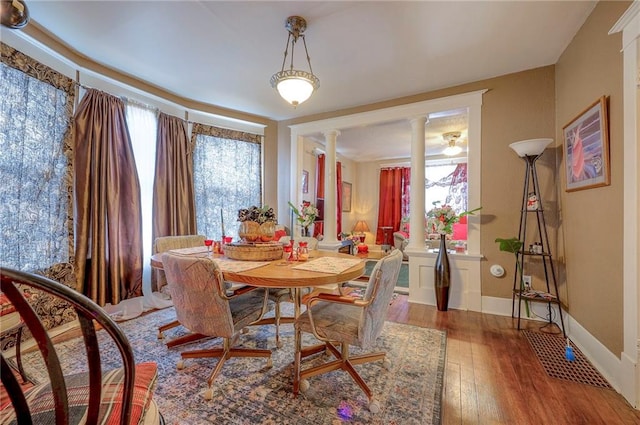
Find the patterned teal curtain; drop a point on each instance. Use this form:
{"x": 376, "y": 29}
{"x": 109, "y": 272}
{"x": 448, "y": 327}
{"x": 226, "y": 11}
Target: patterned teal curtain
{"x": 227, "y": 174}
{"x": 36, "y": 107}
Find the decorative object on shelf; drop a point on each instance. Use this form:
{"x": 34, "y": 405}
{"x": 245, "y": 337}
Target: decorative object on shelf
{"x": 440, "y": 219}
{"x": 305, "y": 216}
{"x": 586, "y": 148}
{"x": 532, "y": 202}
{"x": 294, "y": 85}
{"x": 14, "y": 14}
{"x": 257, "y": 224}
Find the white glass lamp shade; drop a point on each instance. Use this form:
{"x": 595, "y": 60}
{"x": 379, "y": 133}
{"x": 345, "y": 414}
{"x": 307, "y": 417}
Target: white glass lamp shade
{"x": 452, "y": 150}
{"x": 530, "y": 147}
{"x": 294, "y": 90}
{"x": 295, "y": 86}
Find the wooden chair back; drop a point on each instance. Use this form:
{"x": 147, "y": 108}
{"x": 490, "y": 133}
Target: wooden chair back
{"x": 13, "y": 284}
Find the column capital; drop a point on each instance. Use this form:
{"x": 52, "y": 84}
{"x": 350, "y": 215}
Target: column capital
{"x": 418, "y": 119}
{"x": 331, "y": 133}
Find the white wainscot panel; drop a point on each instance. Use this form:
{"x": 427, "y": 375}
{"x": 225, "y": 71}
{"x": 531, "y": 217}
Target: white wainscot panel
{"x": 465, "y": 291}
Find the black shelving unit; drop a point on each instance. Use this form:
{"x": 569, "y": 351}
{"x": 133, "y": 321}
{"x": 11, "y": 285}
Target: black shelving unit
{"x": 533, "y": 212}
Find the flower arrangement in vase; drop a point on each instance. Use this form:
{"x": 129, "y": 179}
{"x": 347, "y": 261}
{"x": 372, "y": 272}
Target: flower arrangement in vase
{"x": 306, "y": 215}
{"x": 440, "y": 219}
{"x": 257, "y": 224}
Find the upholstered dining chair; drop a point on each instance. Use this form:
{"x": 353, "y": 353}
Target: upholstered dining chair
{"x": 347, "y": 320}
{"x": 164, "y": 244}
{"x": 203, "y": 306}
{"x": 120, "y": 392}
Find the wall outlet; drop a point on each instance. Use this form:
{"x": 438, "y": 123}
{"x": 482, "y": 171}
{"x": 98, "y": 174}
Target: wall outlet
{"x": 527, "y": 281}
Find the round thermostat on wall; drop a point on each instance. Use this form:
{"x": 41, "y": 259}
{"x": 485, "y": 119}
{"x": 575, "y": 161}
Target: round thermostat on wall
{"x": 497, "y": 270}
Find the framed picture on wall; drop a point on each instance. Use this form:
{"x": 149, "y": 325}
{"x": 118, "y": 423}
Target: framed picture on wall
{"x": 586, "y": 148}
{"x": 305, "y": 181}
{"x": 346, "y": 197}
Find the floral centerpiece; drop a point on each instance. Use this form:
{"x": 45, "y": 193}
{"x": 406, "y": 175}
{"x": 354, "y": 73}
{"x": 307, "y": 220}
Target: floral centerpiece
{"x": 306, "y": 215}
{"x": 257, "y": 224}
{"x": 440, "y": 219}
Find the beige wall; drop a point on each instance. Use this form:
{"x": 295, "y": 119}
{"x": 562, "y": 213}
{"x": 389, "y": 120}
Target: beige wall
{"x": 517, "y": 106}
{"x": 590, "y": 67}
{"x": 585, "y": 227}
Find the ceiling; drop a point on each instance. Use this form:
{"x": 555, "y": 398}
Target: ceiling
{"x": 224, "y": 52}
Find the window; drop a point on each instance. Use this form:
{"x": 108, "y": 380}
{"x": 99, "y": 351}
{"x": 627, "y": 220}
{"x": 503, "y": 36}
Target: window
{"x": 143, "y": 123}
{"x": 447, "y": 183}
{"x": 35, "y": 166}
{"x": 227, "y": 177}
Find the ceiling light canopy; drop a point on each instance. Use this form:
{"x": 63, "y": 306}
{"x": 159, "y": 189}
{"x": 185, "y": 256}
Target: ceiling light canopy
{"x": 14, "y": 14}
{"x": 294, "y": 85}
{"x": 452, "y": 137}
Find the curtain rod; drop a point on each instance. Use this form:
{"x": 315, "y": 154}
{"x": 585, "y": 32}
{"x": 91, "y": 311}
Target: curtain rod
{"x": 157, "y": 110}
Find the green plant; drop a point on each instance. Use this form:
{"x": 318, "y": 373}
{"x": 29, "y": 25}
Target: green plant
{"x": 514, "y": 245}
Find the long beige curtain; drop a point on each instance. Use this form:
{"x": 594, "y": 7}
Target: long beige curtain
{"x": 173, "y": 195}
{"x": 174, "y": 211}
{"x": 107, "y": 193}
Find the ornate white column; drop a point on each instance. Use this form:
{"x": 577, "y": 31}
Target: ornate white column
{"x": 330, "y": 189}
{"x": 417, "y": 207}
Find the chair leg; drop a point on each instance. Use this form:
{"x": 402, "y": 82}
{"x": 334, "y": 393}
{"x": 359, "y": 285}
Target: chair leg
{"x": 224, "y": 353}
{"x": 277, "y": 317}
{"x": 167, "y": 326}
{"x": 343, "y": 361}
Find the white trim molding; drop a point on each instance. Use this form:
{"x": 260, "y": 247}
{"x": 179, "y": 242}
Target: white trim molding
{"x": 629, "y": 375}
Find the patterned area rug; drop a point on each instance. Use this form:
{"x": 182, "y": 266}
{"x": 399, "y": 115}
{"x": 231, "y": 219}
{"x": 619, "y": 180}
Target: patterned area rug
{"x": 550, "y": 350}
{"x": 410, "y": 392}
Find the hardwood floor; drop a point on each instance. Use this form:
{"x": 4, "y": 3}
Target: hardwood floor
{"x": 493, "y": 377}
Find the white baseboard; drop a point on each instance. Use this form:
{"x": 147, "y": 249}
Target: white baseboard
{"x": 610, "y": 366}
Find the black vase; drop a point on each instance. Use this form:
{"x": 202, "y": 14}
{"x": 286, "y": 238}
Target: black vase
{"x": 442, "y": 276}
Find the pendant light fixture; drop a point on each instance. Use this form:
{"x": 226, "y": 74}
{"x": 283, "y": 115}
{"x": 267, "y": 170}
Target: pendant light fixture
{"x": 294, "y": 85}
{"x": 452, "y": 137}
{"x": 14, "y": 14}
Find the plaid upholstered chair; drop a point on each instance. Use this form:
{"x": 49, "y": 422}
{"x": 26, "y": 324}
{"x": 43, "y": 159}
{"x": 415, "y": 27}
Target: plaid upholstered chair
{"x": 204, "y": 307}
{"x": 123, "y": 395}
{"x": 164, "y": 244}
{"x": 346, "y": 320}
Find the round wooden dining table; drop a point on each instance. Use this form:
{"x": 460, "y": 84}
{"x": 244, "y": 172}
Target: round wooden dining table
{"x": 284, "y": 274}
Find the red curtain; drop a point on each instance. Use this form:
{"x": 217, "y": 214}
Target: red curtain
{"x": 406, "y": 186}
{"x": 390, "y": 201}
{"x": 318, "y": 227}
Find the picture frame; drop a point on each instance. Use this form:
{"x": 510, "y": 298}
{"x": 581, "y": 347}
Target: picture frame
{"x": 346, "y": 197}
{"x": 586, "y": 148}
{"x": 305, "y": 181}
